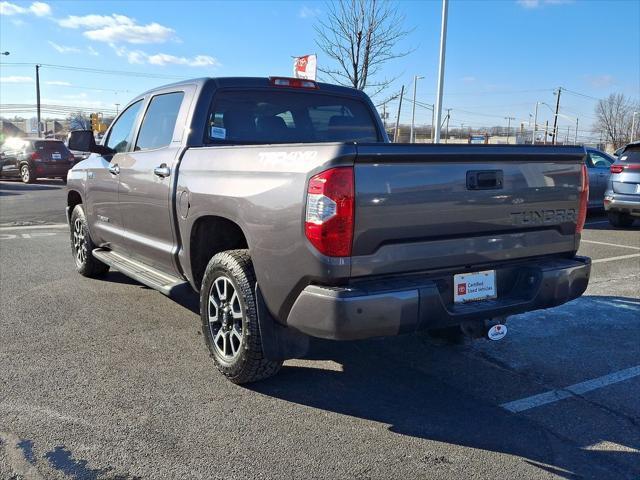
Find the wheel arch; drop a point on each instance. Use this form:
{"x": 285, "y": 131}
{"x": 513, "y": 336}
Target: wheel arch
{"x": 211, "y": 234}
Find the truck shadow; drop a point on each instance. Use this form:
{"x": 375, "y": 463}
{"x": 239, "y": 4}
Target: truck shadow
{"x": 386, "y": 381}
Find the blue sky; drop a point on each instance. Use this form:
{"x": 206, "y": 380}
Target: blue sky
{"x": 502, "y": 56}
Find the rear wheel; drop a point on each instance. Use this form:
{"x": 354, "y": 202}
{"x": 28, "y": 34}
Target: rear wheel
{"x": 26, "y": 174}
{"x": 620, "y": 220}
{"x": 82, "y": 246}
{"x": 230, "y": 319}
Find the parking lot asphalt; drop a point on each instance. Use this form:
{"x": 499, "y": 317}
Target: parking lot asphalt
{"x": 107, "y": 379}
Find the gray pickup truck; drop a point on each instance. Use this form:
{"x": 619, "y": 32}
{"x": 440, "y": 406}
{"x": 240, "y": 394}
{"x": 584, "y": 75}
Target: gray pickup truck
{"x": 282, "y": 202}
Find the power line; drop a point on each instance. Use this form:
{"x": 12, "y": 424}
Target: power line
{"x": 124, "y": 73}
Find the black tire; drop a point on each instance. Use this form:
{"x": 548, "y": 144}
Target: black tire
{"x": 86, "y": 264}
{"x": 247, "y": 364}
{"x": 620, "y": 220}
{"x": 27, "y": 175}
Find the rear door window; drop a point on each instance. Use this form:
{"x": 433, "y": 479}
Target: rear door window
{"x": 159, "y": 121}
{"x": 268, "y": 116}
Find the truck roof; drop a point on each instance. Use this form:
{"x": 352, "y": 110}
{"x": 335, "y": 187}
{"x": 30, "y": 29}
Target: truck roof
{"x": 253, "y": 82}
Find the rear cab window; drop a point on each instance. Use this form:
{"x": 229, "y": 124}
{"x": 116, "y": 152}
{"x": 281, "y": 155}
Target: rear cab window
{"x": 285, "y": 116}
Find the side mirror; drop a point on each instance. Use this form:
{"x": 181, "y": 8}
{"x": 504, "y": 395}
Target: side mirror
{"x": 84, "y": 141}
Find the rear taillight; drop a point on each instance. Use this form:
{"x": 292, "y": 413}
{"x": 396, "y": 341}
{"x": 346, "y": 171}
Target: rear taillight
{"x": 616, "y": 168}
{"x": 584, "y": 199}
{"x": 330, "y": 211}
{"x": 619, "y": 168}
{"x": 36, "y": 156}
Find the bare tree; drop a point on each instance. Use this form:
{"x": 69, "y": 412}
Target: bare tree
{"x": 360, "y": 36}
{"x": 614, "y": 116}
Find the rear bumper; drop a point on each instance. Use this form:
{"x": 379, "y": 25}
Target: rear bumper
{"x": 404, "y": 305}
{"x": 52, "y": 169}
{"x": 618, "y": 202}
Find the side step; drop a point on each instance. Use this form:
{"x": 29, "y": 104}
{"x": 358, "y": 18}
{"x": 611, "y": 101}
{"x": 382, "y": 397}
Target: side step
{"x": 149, "y": 276}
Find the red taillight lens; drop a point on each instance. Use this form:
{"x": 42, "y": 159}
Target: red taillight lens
{"x": 616, "y": 168}
{"x": 35, "y": 156}
{"x": 584, "y": 200}
{"x": 330, "y": 211}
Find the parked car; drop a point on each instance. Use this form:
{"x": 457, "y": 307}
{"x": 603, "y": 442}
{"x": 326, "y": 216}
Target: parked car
{"x": 282, "y": 202}
{"x": 618, "y": 151}
{"x": 32, "y": 158}
{"x": 622, "y": 198}
{"x": 598, "y": 164}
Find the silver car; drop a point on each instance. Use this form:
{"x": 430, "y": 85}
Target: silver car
{"x": 622, "y": 198}
{"x": 598, "y": 164}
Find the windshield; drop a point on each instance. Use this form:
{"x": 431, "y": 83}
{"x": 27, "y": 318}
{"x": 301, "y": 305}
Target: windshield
{"x": 267, "y": 116}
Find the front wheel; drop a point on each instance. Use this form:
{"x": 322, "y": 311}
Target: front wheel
{"x": 620, "y": 220}
{"x": 26, "y": 174}
{"x": 82, "y": 246}
{"x": 230, "y": 319}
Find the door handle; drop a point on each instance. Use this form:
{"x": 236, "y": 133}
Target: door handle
{"x": 162, "y": 171}
{"x": 115, "y": 169}
{"x": 485, "y": 179}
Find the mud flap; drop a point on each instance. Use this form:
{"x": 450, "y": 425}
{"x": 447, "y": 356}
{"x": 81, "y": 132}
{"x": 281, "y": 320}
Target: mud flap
{"x": 278, "y": 342}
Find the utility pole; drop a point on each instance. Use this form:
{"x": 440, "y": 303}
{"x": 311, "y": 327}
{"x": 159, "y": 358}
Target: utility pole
{"x": 575, "y": 140}
{"x": 555, "y": 118}
{"x": 412, "y": 138}
{"x": 395, "y": 132}
{"x": 546, "y": 129}
{"x": 446, "y": 140}
{"x": 566, "y": 141}
{"x": 117, "y": 105}
{"x": 535, "y": 125}
{"x": 508, "y": 126}
{"x": 38, "y": 99}
{"x": 443, "y": 48}
{"x": 384, "y": 116}
{"x": 633, "y": 126}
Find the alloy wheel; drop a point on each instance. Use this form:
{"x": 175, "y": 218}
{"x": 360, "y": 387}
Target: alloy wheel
{"x": 24, "y": 173}
{"x": 79, "y": 242}
{"x": 225, "y": 318}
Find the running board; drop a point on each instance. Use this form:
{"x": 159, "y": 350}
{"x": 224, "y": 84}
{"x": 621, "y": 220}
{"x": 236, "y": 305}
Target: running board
{"x": 149, "y": 276}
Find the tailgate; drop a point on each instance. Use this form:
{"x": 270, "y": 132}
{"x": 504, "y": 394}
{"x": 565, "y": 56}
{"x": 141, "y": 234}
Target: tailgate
{"x": 421, "y": 207}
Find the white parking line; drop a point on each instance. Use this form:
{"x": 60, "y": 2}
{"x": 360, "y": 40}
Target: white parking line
{"x": 596, "y": 223}
{"x": 34, "y": 227}
{"x": 610, "y": 244}
{"x": 571, "y": 391}
{"x": 611, "y": 259}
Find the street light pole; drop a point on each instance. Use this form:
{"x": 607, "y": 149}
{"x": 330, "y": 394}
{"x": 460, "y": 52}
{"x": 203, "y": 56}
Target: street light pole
{"x": 443, "y": 47}
{"x": 575, "y": 141}
{"x": 412, "y": 138}
{"x": 38, "y": 99}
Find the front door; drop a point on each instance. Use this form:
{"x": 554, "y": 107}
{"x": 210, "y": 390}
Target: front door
{"x": 105, "y": 217}
{"x": 146, "y": 176}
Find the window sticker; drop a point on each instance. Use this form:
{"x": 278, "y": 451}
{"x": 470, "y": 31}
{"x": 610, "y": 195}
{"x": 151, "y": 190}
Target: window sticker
{"x": 218, "y": 132}
{"x": 623, "y": 158}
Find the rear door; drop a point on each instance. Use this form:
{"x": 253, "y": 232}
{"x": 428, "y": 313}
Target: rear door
{"x": 146, "y": 178}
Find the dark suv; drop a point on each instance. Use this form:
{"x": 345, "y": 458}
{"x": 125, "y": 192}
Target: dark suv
{"x": 32, "y": 158}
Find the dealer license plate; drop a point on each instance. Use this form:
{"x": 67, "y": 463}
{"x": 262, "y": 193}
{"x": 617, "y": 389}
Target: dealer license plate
{"x": 469, "y": 287}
